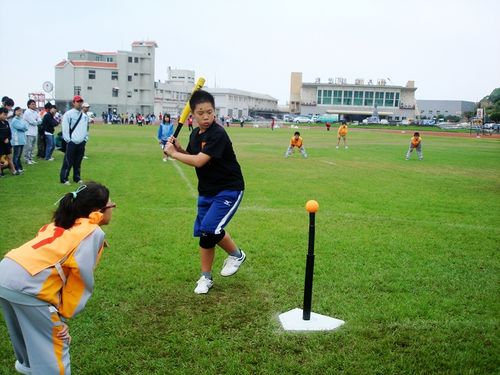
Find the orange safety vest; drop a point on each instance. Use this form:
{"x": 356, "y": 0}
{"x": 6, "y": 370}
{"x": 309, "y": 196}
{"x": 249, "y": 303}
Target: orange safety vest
{"x": 51, "y": 247}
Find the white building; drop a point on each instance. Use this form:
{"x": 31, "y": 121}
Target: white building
{"x": 354, "y": 101}
{"x": 123, "y": 81}
{"x": 172, "y": 95}
{"x": 239, "y": 103}
{"x": 120, "y": 82}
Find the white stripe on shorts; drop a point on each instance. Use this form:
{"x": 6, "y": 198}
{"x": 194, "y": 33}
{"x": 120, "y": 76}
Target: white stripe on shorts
{"x": 228, "y": 215}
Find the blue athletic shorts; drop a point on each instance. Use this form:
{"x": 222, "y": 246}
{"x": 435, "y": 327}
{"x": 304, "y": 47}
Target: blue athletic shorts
{"x": 215, "y": 212}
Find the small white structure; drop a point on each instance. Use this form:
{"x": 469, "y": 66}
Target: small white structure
{"x": 292, "y": 321}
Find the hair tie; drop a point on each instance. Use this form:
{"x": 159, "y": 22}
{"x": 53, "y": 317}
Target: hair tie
{"x": 73, "y": 193}
{"x": 80, "y": 188}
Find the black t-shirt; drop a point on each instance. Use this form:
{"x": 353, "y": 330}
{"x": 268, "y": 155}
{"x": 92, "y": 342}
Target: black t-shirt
{"x": 5, "y": 133}
{"x": 222, "y": 172}
{"x": 48, "y": 123}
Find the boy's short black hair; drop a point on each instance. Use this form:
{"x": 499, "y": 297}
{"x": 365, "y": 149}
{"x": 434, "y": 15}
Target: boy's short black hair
{"x": 296, "y": 133}
{"x": 201, "y": 96}
{"x": 4, "y": 110}
{"x": 416, "y": 134}
{"x": 31, "y": 101}
{"x": 8, "y": 102}
{"x": 48, "y": 106}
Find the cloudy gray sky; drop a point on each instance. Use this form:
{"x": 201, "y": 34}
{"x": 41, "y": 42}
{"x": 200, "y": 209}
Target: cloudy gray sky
{"x": 450, "y": 48}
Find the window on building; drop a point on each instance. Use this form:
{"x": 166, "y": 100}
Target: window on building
{"x": 135, "y": 90}
{"x": 130, "y": 59}
{"x": 91, "y": 74}
{"x": 318, "y": 97}
{"x": 89, "y": 88}
{"x": 326, "y": 97}
{"x": 77, "y": 90}
{"x": 379, "y": 99}
{"x": 136, "y": 74}
{"x": 369, "y": 98}
{"x": 109, "y": 59}
{"x": 230, "y": 112}
{"x": 389, "y": 99}
{"x": 347, "y": 98}
{"x": 129, "y": 78}
{"x": 358, "y": 98}
{"x": 98, "y": 58}
{"x": 129, "y": 94}
{"x": 337, "y": 97}
{"x": 396, "y": 100}
{"x": 114, "y": 93}
{"x": 114, "y": 76}
{"x": 136, "y": 59}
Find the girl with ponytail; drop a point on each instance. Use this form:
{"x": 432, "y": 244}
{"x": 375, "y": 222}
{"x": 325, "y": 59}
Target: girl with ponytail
{"x": 49, "y": 279}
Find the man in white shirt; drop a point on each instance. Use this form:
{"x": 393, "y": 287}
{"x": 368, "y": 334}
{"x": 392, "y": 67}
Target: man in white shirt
{"x": 32, "y": 117}
{"x": 74, "y": 132}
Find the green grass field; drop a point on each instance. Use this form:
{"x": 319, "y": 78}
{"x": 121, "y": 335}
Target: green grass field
{"x": 407, "y": 253}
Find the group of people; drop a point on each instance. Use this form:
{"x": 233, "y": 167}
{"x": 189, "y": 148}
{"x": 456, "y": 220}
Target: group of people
{"x": 297, "y": 141}
{"x": 126, "y": 118}
{"x": 49, "y": 279}
{"x": 22, "y": 131}
{"x": 30, "y": 134}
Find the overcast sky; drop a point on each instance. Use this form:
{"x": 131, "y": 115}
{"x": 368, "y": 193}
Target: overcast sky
{"x": 450, "y": 48}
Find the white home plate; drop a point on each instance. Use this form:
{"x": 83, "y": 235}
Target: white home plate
{"x": 292, "y": 321}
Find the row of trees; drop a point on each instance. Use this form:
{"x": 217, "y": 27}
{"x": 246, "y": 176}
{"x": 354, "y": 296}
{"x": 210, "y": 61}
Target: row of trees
{"x": 491, "y": 104}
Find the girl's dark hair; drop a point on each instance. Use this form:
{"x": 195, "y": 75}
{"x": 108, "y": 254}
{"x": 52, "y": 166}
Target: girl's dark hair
{"x": 15, "y": 109}
{"x": 416, "y": 134}
{"x": 166, "y": 115}
{"x": 201, "y": 96}
{"x": 92, "y": 198}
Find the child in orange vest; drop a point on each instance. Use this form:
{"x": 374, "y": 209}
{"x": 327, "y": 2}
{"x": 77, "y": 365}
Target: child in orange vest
{"x": 50, "y": 279}
{"x": 415, "y": 143}
{"x": 342, "y": 133}
{"x": 296, "y": 141}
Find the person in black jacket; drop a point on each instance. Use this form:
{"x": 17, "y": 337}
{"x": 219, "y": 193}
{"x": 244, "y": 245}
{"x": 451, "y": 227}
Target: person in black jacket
{"x": 48, "y": 125}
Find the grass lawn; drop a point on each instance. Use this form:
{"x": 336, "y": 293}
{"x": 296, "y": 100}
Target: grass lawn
{"x": 407, "y": 253}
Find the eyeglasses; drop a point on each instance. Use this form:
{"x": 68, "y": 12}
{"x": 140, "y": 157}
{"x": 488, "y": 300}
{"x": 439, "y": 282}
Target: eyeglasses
{"x": 111, "y": 205}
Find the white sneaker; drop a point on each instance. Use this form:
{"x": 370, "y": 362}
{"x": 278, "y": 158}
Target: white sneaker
{"x": 22, "y": 369}
{"x": 346, "y": 147}
{"x": 337, "y": 147}
{"x": 165, "y": 159}
{"x": 232, "y": 264}
{"x": 203, "y": 285}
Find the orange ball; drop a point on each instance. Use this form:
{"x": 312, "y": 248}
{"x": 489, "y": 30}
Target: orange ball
{"x": 312, "y": 206}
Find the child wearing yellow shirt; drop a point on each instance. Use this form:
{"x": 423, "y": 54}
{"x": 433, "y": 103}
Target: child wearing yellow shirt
{"x": 296, "y": 141}
{"x": 342, "y": 133}
{"x": 415, "y": 143}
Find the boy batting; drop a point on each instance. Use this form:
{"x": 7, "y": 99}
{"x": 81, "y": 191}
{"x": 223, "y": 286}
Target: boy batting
{"x": 220, "y": 187}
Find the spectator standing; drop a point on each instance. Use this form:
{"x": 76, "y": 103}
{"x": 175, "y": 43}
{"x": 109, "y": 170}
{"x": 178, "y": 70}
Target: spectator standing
{"x": 32, "y": 117}
{"x": 48, "y": 124}
{"x": 5, "y": 137}
{"x": 18, "y": 129}
{"x": 74, "y": 132}
{"x": 165, "y": 131}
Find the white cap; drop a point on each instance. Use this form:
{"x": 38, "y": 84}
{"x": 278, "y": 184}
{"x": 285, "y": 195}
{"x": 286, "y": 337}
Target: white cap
{"x": 86, "y": 105}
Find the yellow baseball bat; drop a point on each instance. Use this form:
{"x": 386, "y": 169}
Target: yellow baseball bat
{"x": 187, "y": 108}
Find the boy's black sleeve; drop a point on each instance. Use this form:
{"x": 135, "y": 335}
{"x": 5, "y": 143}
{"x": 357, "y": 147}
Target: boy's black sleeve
{"x": 215, "y": 145}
